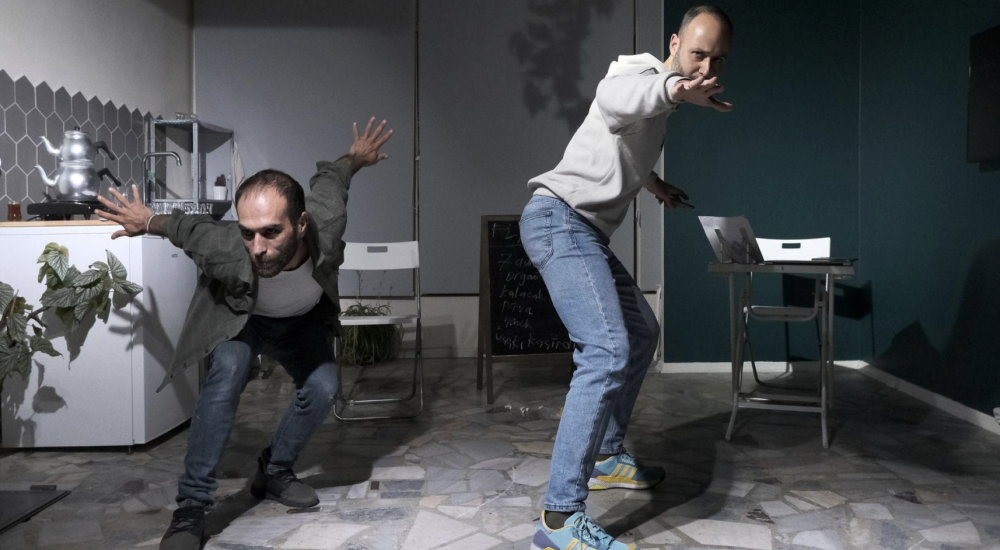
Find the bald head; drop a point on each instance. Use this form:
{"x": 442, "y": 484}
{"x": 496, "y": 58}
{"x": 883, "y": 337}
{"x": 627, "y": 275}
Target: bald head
{"x": 702, "y": 43}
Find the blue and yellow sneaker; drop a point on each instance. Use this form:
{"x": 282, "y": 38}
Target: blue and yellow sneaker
{"x": 578, "y": 533}
{"x": 623, "y": 471}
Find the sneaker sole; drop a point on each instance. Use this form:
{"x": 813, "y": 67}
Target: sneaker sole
{"x": 597, "y": 485}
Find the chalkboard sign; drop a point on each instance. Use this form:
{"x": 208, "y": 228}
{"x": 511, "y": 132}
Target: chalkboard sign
{"x": 517, "y": 321}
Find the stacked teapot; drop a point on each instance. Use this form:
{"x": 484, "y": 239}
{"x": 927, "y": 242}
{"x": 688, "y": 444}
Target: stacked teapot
{"x": 76, "y": 178}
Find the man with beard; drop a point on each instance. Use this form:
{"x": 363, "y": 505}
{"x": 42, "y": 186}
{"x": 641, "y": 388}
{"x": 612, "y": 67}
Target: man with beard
{"x": 565, "y": 229}
{"x": 276, "y": 293}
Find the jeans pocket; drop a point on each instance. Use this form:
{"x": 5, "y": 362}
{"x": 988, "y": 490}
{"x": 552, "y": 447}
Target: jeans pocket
{"x": 536, "y": 237}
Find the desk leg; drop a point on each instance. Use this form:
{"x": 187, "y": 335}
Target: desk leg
{"x": 733, "y": 337}
{"x": 824, "y": 361}
{"x": 830, "y": 346}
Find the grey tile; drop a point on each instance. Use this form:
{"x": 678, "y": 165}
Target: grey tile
{"x": 44, "y": 99}
{"x": 124, "y": 172}
{"x": 117, "y": 144}
{"x": 16, "y": 123}
{"x": 54, "y": 129}
{"x": 89, "y": 128}
{"x": 8, "y": 153}
{"x": 45, "y": 160}
{"x": 35, "y": 126}
{"x": 131, "y": 145}
{"x": 70, "y": 124}
{"x": 80, "y": 108}
{"x": 6, "y": 92}
{"x": 124, "y": 119}
{"x": 25, "y": 94}
{"x": 3, "y": 122}
{"x": 17, "y": 185}
{"x": 26, "y": 154}
{"x": 96, "y": 111}
{"x": 110, "y": 115}
{"x": 136, "y": 122}
{"x": 36, "y": 187}
{"x": 64, "y": 104}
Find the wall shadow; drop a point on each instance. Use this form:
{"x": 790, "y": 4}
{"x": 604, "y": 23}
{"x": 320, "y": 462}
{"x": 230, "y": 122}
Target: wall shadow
{"x": 550, "y": 52}
{"x": 966, "y": 369}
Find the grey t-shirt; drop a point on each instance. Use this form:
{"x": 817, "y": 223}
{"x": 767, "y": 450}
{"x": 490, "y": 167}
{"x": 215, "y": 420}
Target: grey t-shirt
{"x": 289, "y": 293}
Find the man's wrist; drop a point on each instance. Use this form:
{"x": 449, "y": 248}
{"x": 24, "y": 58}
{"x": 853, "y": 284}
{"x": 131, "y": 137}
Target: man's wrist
{"x": 355, "y": 163}
{"x": 154, "y": 225}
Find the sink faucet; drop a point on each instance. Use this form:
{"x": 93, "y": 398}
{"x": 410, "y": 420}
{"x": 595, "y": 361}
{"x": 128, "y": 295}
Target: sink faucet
{"x": 151, "y": 179}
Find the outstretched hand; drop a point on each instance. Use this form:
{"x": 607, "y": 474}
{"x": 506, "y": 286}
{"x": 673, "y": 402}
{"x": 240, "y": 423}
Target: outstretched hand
{"x": 701, "y": 92}
{"x": 131, "y": 214}
{"x": 364, "y": 151}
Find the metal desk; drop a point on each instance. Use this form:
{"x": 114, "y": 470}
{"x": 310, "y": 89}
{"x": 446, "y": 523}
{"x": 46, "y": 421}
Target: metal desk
{"x": 821, "y": 402}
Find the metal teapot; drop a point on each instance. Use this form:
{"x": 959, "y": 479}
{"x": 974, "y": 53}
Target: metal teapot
{"x": 77, "y": 146}
{"x": 77, "y": 181}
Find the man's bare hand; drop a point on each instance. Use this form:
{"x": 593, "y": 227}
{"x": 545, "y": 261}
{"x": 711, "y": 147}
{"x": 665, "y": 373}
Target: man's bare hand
{"x": 364, "y": 151}
{"x": 701, "y": 92}
{"x": 132, "y": 214}
{"x": 668, "y": 195}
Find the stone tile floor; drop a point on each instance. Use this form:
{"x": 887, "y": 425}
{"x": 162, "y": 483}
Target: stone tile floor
{"x": 899, "y": 475}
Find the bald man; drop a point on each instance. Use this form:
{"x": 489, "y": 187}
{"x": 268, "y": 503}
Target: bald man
{"x": 565, "y": 229}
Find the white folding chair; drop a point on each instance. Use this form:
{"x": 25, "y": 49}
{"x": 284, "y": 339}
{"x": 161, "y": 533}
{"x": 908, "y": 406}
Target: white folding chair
{"x": 776, "y": 250}
{"x": 385, "y": 257}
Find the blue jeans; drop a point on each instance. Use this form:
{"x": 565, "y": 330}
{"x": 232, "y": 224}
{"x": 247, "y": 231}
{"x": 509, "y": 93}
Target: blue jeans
{"x": 615, "y": 335}
{"x": 304, "y": 347}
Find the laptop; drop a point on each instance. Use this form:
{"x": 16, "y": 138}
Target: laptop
{"x": 733, "y": 241}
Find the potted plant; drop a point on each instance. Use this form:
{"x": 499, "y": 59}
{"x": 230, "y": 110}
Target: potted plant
{"x": 364, "y": 345}
{"x": 70, "y": 293}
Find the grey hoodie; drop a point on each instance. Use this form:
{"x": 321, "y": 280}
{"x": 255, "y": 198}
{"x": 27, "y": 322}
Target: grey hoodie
{"x": 611, "y": 157}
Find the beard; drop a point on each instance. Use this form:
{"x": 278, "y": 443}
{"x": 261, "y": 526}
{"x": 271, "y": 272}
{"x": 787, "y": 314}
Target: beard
{"x": 269, "y": 267}
{"x": 675, "y": 64}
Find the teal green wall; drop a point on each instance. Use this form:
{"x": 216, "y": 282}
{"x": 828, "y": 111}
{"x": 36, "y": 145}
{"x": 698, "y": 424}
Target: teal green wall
{"x": 786, "y": 157}
{"x": 930, "y": 222}
{"x": 849, "y": 122}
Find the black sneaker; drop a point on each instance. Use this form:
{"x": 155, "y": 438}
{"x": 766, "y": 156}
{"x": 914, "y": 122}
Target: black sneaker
{"x": 283, "y": 486}
{"x": 186, "y": 531}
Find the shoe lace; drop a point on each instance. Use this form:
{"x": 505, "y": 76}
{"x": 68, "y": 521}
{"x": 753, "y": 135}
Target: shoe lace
{"x": 285, "y": 478}
{"x": 592, "y": 533}
{"x": 185, "y": 519}
{"x": 626, "y": 458}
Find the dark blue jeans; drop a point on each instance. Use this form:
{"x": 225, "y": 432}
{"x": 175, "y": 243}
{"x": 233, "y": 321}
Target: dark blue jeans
{"x": 304, "y": 347}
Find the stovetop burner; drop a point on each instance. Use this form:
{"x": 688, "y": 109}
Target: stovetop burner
{"x": 62, "y": 210}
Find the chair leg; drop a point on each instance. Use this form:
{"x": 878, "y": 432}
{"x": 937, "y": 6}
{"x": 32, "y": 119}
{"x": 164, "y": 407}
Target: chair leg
{"x": 416, "y": 390}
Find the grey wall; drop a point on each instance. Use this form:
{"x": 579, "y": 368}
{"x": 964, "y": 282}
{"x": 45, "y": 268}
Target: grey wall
{"x": 290, "y": 78}
{"x": 786, "y": 157}
{"x": 503, "y": 85}
{"x": 930, "y": 232}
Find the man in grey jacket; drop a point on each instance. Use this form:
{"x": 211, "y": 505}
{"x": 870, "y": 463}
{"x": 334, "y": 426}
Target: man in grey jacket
{"x": 268, "y": 284}
{"x": 565, "y": 229}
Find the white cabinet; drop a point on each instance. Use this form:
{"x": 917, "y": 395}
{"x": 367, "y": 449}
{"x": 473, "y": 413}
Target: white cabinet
{"x": 102, "y": 391}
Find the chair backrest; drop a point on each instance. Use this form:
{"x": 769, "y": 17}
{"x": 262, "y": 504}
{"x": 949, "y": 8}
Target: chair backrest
{"x": 381, "y": 256}
{"x": 776, "y": 250}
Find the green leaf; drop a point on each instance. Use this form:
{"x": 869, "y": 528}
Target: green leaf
{"x": 52, "y": 247}
{"x": 87, "y": 277}
{"x": 6, "y": 295}
{"x": 116, "y": 267}
{"x": 60, "y": 297}
{"x": 100, "y": 266}
{"x": 16, "y": 326}
{"x": 86, "y": 294}
{"x": 59, "y": 263}
{"x": 71, "y": 275}
{"x": 127, "y": 287}
{"x": 36, "y": 330}
{"x": 81, "y": 310}
{"x": 41, "y": 344}
{"x": 14, "y": 358}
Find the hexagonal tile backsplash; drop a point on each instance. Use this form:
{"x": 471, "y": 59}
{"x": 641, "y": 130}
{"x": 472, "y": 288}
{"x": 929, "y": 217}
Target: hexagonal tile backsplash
{"x": 29, "y": 111}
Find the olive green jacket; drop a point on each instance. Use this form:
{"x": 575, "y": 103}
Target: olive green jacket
{"x": 227, "y": 286}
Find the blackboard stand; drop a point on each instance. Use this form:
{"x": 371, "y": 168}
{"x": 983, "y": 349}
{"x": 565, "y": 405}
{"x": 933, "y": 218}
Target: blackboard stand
{"x": 484, "y": 354}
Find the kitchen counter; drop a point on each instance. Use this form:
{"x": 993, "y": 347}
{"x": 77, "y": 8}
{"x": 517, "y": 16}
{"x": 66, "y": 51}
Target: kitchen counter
{"x": 62, "y": 223}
